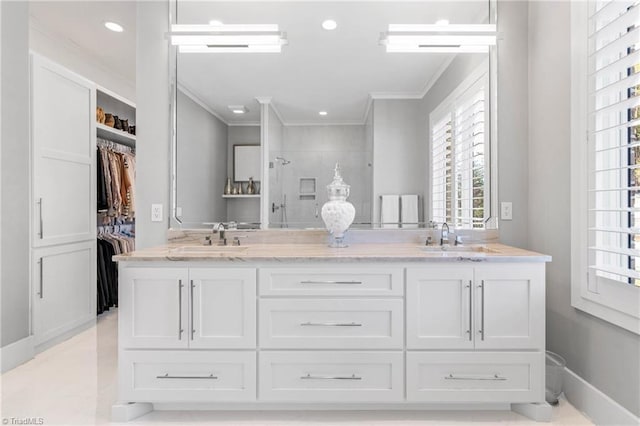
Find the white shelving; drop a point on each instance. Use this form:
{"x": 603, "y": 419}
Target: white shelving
{"x": 241, "y": 196}
{"x": 106, "y": 132}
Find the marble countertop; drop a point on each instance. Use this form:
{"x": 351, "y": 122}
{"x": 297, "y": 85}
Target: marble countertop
{"x": 355, "y": 252}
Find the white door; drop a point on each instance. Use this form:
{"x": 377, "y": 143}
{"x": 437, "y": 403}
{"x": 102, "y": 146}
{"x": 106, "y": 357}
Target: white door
{"x": 64, "y": 289}
{"x": 63, "y": 138}
{"x": 509, "y": 303}
{"x": 222, "y": 308}
{"x": 153, "y": 307}
{"x": 439, "y": 304}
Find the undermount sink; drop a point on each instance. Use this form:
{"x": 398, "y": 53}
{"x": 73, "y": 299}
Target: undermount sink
{"x": 470, "y": 249}
{"x": 209, "y": 249}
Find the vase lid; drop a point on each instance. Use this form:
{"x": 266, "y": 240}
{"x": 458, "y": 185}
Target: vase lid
{"x": 338, "y": 189}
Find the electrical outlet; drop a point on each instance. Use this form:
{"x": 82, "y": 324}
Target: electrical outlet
{"x": 156, "y": 212}
{"x": 179, "y": 211}
{"x": 506, "y": 210}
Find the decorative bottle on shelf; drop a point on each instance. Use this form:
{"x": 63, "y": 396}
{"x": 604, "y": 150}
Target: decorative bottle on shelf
{"x": 227, "y": 187}
{"x": 338, "y": 213}
{"x": 251, "y": 189}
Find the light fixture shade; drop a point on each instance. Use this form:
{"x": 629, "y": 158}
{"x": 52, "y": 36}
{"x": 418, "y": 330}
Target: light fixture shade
{"x": 412, "y": 38}
{"x": 228, "y": 38}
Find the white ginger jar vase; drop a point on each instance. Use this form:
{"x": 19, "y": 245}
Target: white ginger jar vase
{"x": 338, "y": 213}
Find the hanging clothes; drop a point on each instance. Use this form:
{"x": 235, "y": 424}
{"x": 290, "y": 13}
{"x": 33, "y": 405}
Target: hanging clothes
{"x": 111, "y": 241}
{"x": 116, "y": 180}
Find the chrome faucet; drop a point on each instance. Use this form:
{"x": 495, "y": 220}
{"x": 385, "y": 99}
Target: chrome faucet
{"x": 444, "y": 235}
{"x": 219, "y": 229}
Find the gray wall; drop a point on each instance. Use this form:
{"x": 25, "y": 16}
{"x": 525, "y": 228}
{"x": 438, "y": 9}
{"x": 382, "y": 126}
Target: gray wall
{"x": 242, "y": 209}
{"x": 399, "y": 150}
{"x": 513, "y": 175}
{"x": 15, "y": 191}
{"x": 313, "y": 152}
{"x": 202, "y": 165}
{"x": 605, "y": 355}
{"x": 153, "y": 171}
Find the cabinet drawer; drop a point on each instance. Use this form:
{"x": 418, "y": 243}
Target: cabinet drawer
{"x": 475, "y": 377}
{"x": 173, "y": 376}
{"x": 361, "y": 281}
{"x": 331, "y": 376}
{"x": 331, "y": 324}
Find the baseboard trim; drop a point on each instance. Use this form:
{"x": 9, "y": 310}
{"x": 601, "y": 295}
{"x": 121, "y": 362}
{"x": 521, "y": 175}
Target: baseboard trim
{"x": 16, "y": 353}
{"x": 595, "y": 404}
{"x": 66, "y": 335}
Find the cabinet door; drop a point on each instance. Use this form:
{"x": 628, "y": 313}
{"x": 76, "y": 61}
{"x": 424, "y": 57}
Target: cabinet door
{"x": 64, "y": 289}
{"x": 509, "y": 306}
{"x": 153, "y": 307}
{"x": 439, "y": 303}
{"x": 222, "y": 308}
{"x": 63, "y": 138}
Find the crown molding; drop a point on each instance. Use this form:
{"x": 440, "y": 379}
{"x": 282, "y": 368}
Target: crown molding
{"x": 189, "y": 94}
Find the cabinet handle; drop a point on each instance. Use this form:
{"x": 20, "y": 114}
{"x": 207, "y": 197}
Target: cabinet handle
{"x": 495, "y": 377}
{"x": 167, "y": 376}
{"x": 331, "y": 282}
{"x": 316, "y": 377}
{"x": 470, "y": 302}
{"x": 180, "y": 330}
{"x": 41, "y": 228}
{"x": 330, "y": 324}
{"x": 481, "y": 331}
{"x": 193, "y": 330}
{"x": 41, "y": 265}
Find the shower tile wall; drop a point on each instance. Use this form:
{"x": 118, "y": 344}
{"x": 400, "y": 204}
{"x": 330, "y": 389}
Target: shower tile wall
{"x": 313, "y": 152}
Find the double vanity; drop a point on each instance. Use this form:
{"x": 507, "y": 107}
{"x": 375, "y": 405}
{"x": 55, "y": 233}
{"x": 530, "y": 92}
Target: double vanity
{"x": 269, "y": 325}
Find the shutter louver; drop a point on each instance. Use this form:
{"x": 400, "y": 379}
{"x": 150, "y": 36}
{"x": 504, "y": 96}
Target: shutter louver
{"x": 614, "y": 140}
{"x": 441, "y": 177}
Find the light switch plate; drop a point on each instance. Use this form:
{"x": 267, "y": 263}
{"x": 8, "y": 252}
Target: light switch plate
{"x": 506, "y": 210}
{"x": 156, "y": 212}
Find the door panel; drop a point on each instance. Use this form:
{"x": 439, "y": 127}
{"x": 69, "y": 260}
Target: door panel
{"x": 223, "y": 308}
{"x": 153, "y": 307}
{"x": 63, "y": 138}
{"x": 64, "y": 290}
{"x": 439, "y": 302}
{"x": 507, "y": 298}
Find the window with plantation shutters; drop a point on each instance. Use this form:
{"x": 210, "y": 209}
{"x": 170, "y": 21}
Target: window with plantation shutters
{"x": 458, "y": 146}
{"x": 441, "y": 170}
{"x": 611, "y": 87}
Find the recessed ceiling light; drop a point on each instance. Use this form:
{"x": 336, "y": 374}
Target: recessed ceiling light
{"x": 215, "y": 23}
{"x": 329, "y": 24}
{"x": 238, "y": 109}
{"x": 114, "y": 27}
{"x": 323, "y": 113}
{"x": 442, "y": 22}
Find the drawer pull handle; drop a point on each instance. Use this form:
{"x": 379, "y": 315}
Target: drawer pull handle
{"x": 331, "y": 282}
{"x": 330, "y": 324}
{"x": 495, "y": 377}
{"x": 167, "y": 376}
{"x": 316, "y": 377}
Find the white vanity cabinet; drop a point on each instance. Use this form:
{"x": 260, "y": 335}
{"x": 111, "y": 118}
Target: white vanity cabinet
{"x": 204, "y": 308}
{"x": 331, "y": 332}
{"x": 491, "y": 306}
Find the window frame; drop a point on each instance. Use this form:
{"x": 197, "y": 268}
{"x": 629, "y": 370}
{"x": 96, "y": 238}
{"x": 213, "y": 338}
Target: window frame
{"x": 611, "y": 301}
{"x": 480, "y": 76}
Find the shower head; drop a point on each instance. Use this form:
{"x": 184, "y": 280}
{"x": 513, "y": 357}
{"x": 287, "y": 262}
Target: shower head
{"x": 284, "y": 161}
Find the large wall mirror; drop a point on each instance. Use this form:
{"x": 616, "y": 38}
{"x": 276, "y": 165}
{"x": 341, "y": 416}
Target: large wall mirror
{"x": 411, "y": 128}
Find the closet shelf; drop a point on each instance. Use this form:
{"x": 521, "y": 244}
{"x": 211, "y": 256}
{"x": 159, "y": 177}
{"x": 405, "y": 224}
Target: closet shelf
{"x": 241, "y": 196}
{"x": 115, "y": 135}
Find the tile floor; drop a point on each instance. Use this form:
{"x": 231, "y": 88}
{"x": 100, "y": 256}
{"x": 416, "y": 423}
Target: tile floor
{"x": 74, "y": 383}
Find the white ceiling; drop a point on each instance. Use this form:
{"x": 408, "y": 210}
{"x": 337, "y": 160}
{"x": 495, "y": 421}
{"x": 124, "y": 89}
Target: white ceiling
{"x": 81, "y": 23}
{"x": 318, "y": 70}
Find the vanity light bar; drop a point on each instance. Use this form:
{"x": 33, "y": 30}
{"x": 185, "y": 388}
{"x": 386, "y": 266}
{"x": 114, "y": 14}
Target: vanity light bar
{"x": 412, "y": 38}
{"x": 228, "y": 38}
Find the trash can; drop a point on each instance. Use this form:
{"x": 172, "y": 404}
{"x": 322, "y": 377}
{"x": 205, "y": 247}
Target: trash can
{"x": 554, "y": 371}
